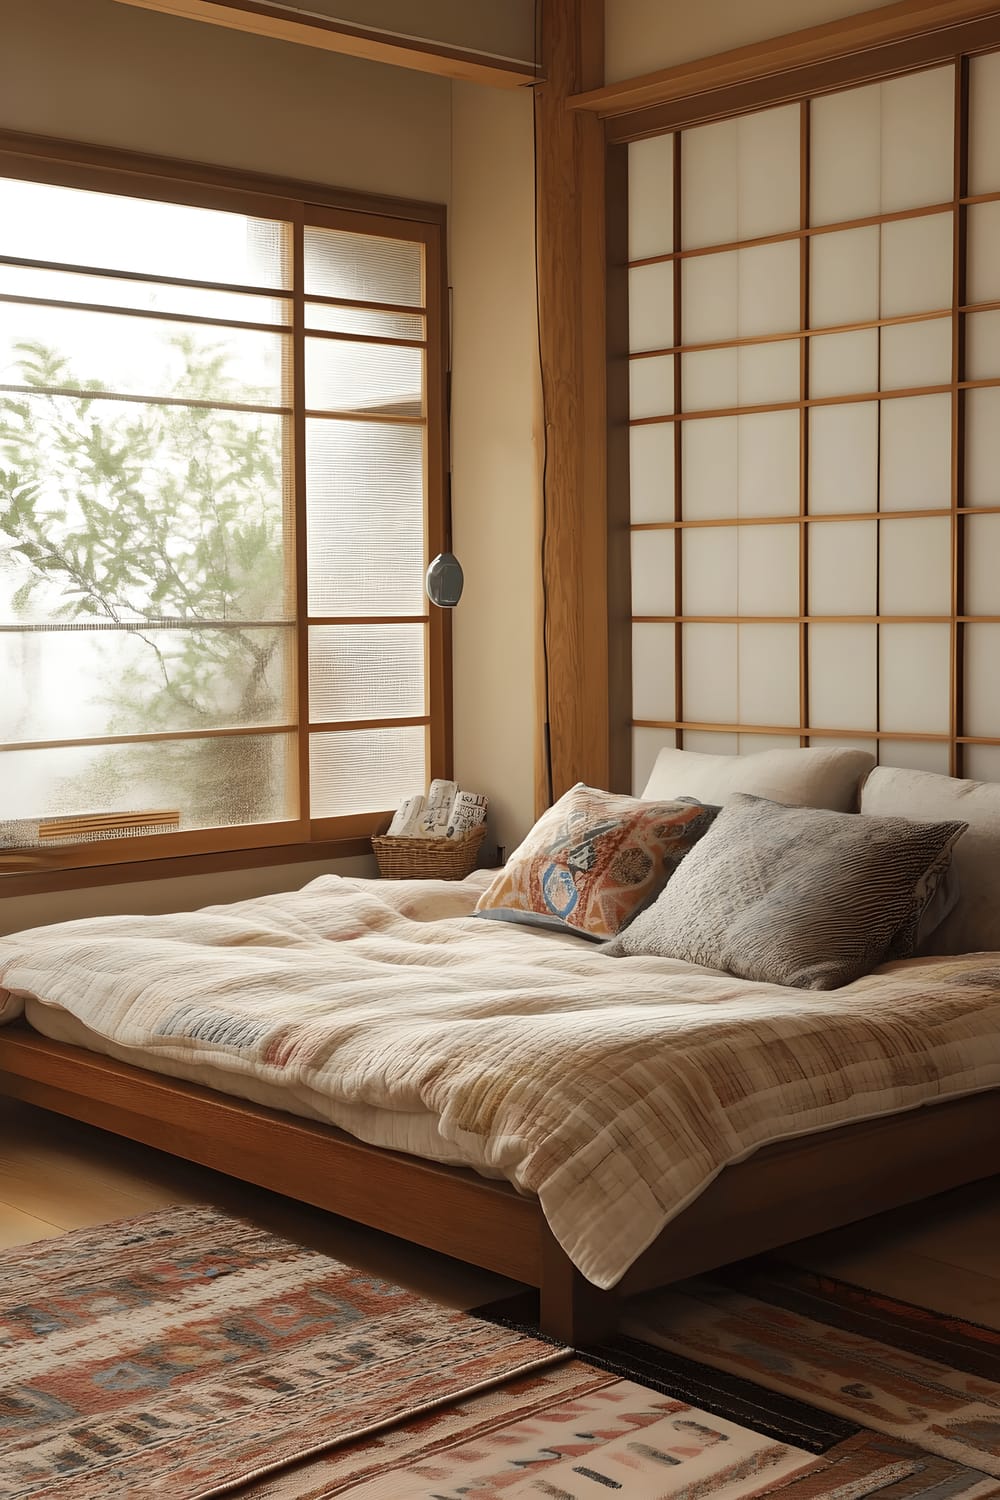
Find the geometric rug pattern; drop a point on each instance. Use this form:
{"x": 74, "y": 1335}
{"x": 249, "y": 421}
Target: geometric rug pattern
{"x": 857, "y": 1355}
{"x": 185, "y": 1352}
{"x": 191, "y": 1355}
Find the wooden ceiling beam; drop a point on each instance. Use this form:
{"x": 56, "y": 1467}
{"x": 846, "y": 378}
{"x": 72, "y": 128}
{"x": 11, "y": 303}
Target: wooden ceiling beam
{"x": 795, "y": 49}
{"x": 283, "y": 24}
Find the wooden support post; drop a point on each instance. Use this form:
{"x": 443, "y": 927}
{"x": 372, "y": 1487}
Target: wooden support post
{"x": 571, "y": 1307}
{"x": 572, "y": 296}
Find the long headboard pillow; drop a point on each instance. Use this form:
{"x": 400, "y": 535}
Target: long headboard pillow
{"x": 974, "y": 923}
{"x": 799, "y": 778}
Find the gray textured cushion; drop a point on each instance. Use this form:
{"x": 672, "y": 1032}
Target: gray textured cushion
{"x": 796, "y": 895}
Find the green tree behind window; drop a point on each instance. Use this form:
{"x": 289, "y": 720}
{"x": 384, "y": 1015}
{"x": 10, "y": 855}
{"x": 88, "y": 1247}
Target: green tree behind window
{"x": 135, "y": 514}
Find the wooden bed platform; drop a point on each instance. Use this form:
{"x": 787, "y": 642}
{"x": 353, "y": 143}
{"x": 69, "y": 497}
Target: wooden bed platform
{"x": 782, "y": 1193}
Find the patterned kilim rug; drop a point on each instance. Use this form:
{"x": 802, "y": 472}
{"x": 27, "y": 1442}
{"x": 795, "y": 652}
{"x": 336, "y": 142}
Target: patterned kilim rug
{"x": 183, "y": 1353}
{"x": 189, "y": 1355}
{"x": 892, "y": 1398}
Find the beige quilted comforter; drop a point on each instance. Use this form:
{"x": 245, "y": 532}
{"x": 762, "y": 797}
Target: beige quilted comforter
{"x": 614, "y": 1089}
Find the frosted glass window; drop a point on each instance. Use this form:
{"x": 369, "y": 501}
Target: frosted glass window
{"x": 983, "y": 265}
{"x": 710, "y": 298}
{"x": 709, "y": 154}
{"x": 211, "y": 782}
{"x": 914, "y": 678}
{"x": 366, "y": 770}
{"x": 653, "y": 672}
{"x": 844, "y": 277}
{"x": 843, "y": 676}
{"x": 142, "y": 235}
{"x": 710, "y": 455}
{"x": 843, "y": 568}
{"x": 365, "y": 518}
{"x": 984, "y": 124}
{"x": 255, "y": 593}
{"x": 915, "y": 755}
{"x": 982, "y": 762}
{"x": 982, "y": 345}
{"x": 917, "y": 265}
{"x": 915, "y": 567}
{"x": 653, "y": 572}
{"x": 768, "y": 463}
{"x": 150, "y": 296}
{"x": 916, "y": 354}
{"x": 651, "y": 471}
{"x": 768, "y": 372}
{"x": 768, "y": 571}
{"x": 918, "y": 131}
{"x": 646, "y": 746}
{"x": 651, "y": 306}
{"x": 768, "y": 674}
{"x": 843, "y": 364}
{"x": 372, "y": 322}
{"x": 712, "y": 742}
{"x": 710, "y": 675}
{"x": 916, "y": 452}
{"x": 363, "y": 267}
{"x": 386, "y": 379}
{"x": 366, "y": 672}
{"x": 651, "y": 197}
{"x": 843, "y": 457}
{"x": 709, "y": 570}
{"x": 768, "y": 289}
{"x": 651, "y": 386}
{"x": 169, "y": 582}
{"x": 982, "y": 566}
{"x": 140, "y": 356}
{"x": 710, "y": 379}
{"x": 57, "y": 685}
{"x": 982, "y": 701}
{"x": 845, "y": 149}
{"x": 982, "y": 446}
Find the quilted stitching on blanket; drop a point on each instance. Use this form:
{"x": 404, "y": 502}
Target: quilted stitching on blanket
{"x": 614, "y": 1089}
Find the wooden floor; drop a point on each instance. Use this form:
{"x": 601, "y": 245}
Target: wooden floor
{"x": 57, "y": 1175}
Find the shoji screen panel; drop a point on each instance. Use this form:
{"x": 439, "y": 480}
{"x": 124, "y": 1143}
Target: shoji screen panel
{"x": 814, "y": 360}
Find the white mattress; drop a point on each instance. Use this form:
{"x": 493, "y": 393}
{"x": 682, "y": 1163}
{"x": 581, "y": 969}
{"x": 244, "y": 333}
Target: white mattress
{"x": 417, "y": 1134}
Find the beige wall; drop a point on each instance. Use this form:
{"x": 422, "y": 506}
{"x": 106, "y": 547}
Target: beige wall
{"x": 18, "y": 912}
{"x": 644, "y": 35}
{"x": 496, "y": 470}
{"x": 112, "y": 75}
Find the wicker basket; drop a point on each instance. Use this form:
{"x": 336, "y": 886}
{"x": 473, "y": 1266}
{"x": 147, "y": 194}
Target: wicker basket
{"x": 428, "y": 859}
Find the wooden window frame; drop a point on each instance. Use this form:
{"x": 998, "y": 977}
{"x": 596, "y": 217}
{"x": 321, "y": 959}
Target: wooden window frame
{"x": 955, "y": 45}
{"x": 71, "y": 164}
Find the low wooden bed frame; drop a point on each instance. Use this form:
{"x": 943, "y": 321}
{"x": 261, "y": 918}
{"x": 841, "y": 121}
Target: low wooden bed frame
{"x": 782, "y": 1193}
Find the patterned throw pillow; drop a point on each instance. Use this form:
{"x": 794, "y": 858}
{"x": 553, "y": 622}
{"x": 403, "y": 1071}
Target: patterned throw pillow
{"x": 593, "y": 861}
{"x": 797, "y": 895}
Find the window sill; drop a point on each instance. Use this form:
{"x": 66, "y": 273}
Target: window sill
{"x": 79, "y": 877}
